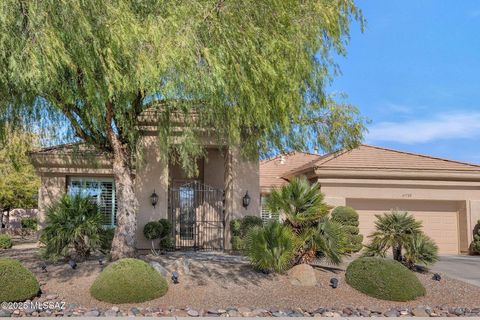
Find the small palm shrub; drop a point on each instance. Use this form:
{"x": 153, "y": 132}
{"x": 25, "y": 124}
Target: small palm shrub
{"x": 400, "y": 232}
{"x": 271, "y": 247}
{"x": 29, "y": 223}
{"x": 239, "y": 229}
{"x": 73, "y": 222}
{"x": 383, "y": 279}
{"x": 420, "y": 249}
{"x": 306, "y": 214}
{"x": 475, "y": 245}
{"x": 5, "y": 241}
{"x": 17, "y": 283}
{"x": 348, "y": 218}
{"x": 128, "y": 281}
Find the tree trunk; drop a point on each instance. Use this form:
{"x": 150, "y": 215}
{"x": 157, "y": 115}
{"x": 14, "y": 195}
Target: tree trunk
{"x": 397, "y": 253}
{"x": 123, "y": 244}
{"x": 2, "y": 230}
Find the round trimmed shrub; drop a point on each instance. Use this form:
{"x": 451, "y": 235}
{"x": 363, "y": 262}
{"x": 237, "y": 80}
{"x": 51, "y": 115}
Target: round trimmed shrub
{"x": 5, "y": 241}
{"x": 128, "y": 281}
{"x": 17, "y": 283}
{"x": 153, "y": 230}
{"x": 345, "y": 215}
{"x": 384, "y": 279}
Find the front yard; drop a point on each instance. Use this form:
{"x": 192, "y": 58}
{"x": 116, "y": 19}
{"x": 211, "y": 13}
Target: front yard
{"x": 219, "y": 283}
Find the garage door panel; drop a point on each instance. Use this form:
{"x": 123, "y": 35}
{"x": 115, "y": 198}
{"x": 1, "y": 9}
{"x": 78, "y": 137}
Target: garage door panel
{"x": 439, "y": 219}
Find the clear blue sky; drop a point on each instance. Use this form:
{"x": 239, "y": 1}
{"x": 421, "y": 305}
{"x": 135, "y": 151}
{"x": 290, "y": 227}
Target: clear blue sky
{"x": 415, "y": 73}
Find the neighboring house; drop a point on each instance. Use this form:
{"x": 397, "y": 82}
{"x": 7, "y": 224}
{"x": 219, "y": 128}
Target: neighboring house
{"x": 200, "y": 208}
{"x": 443, "y": 194}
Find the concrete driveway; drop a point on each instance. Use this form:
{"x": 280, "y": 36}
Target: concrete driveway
{"x": 464, "y": 268}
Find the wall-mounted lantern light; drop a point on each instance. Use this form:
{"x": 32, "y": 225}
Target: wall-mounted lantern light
{"x": 246, "y": 200}
{"x": 154, "y": 198}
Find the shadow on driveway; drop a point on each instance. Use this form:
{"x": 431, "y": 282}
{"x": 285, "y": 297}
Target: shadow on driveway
{"x": 464, "y": 268}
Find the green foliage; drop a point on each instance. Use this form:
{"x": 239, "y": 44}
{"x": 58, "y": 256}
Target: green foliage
{"x": 399, "y": 231}
{"x": 160, "y": 230}
{"x": 345, "y": 215}
{"x": 383, "y": 279}
{"x": 420, "y": 249}
{"x": 29, "y": 223}
{"x": 5, "y": 241}
{"x": 475, "y": 245}
{"x": 106, "y": 238}
{"x": 74, "y": 221}
{"x": 348, "y": 218}
{"x": 306, "y": 214}
{"x": 94, "y": 67}
{"x": 299, "y": 201}
{"x": 153, "y": 230}
{"x": 129, "y": 281}
{"x": 240, "y": 228}
{"x": 17, "y": 282}
{"x": 19, "y": 183}
{"x": 271, "y": 247}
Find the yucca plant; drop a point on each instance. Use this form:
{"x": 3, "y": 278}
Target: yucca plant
{"x": 72, "y": 222}
{"x": 271, "y": 247}
{"x": 302, "y": 206}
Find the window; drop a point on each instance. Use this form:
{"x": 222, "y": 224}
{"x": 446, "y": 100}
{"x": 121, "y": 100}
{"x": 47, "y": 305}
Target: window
{"x": 265, "y": 214}
{"x": 100, "y": 190}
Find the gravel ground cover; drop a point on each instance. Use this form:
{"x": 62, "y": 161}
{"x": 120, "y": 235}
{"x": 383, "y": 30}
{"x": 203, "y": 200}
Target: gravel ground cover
{"x": 219, "y": 285}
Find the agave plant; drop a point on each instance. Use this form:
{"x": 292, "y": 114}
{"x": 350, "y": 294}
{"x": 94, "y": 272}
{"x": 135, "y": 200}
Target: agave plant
{"x": 73, "y": 222}
{"x": 271, "y": 247}
{"x": 304, "y": 211}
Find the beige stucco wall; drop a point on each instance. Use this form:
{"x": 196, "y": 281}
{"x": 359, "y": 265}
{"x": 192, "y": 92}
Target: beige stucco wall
{"x": 52, "y": 187}
{"x": 151, "y": 174}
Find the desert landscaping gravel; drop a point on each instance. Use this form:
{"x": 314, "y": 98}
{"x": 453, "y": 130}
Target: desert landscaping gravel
{"x": 227, "y": 286}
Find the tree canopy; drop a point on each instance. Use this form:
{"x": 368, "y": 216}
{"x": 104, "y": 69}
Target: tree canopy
{"x": 251, "y": 73}
{"x": 19, "y": 182}
{"x": 255, "y": 71}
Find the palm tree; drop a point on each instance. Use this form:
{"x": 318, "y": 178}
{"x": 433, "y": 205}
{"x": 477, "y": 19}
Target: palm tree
{"x": 393, "y": 230}
{"x": 303, "y": 209}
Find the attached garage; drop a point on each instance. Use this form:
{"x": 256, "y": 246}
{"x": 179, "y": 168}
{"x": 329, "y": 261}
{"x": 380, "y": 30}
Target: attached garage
{"x": 440, "y": 219}
{"x": 443, "y": 194}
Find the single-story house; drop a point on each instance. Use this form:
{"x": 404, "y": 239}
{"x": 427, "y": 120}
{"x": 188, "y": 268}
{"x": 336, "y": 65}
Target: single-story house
{"x": 200, "y": 208}
{"x": 443, "y": 194}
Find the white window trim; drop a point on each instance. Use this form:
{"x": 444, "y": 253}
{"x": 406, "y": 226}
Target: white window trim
{"x": 84, "y": 179}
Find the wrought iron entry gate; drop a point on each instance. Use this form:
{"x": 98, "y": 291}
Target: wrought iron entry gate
{"x": 196, "y": 212}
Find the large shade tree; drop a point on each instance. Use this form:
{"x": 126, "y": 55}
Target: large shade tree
{"x": 18, "y": 180}
{"x": 254, "y": 72}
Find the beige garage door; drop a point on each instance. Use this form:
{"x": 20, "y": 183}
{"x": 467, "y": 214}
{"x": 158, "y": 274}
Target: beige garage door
{"x": 439, "y": 218}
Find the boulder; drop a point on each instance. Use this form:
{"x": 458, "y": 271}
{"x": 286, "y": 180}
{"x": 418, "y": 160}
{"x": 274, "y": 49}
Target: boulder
{"x": 302, "y": 275}
{"x": 157, "y": 266}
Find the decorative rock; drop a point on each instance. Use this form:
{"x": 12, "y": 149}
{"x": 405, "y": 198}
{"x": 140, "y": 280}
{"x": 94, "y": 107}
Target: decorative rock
{"x": 134, "y": 311}
{"x": 51, "y": 297}
{"x": 420, "y": 312}
{"x": 111, "y": 313}
{"x": 4, "y": 313}
{"x": 192, "y": 313}
{"x": 93, "y": 313}
{"x": 116, "y": 309}
{"x": 157, "y": 266}
{"x": 302, "y": 275}
{"x": 391, "y": 313}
